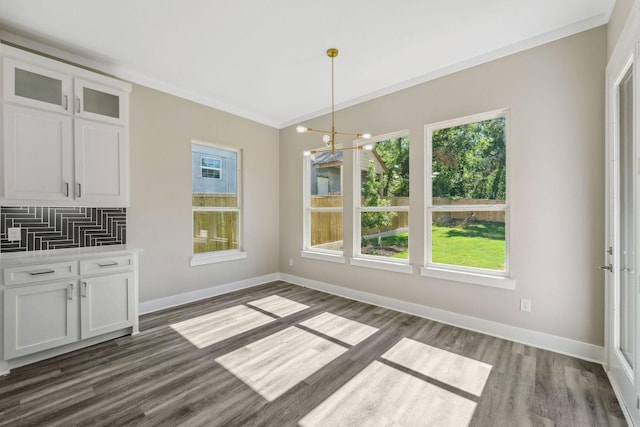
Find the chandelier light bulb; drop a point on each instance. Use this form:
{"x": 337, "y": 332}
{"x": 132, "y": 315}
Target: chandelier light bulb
{"x": 307, "y": 153}
{"x": 301, "y": 129}
{"x": 366, "y": 135}
{"x": 326, "y": 139}
{"x": 368, "y": 147}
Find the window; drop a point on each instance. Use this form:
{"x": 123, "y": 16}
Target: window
{"x": 210, "y": 167}
{"x": 382, "y": 202}
{"x": 323, "y": 202}
{"x": 467, "y": 206}
{"x": 215, "y": 203}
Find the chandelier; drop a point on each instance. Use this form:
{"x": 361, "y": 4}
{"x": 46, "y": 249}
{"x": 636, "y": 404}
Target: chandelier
{"x": 330, "y": 135}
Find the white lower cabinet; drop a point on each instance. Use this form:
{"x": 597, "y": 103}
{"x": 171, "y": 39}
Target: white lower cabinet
{"x": 106, "y": 304}
{"x": 39, "y": 317}
{"x": 45, "y": 308}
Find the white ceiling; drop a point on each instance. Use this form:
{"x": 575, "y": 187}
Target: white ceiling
{"x": 266, "y": 61}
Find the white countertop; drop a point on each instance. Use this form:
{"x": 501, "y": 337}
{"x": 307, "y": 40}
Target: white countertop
{"x": 12, "y": 258}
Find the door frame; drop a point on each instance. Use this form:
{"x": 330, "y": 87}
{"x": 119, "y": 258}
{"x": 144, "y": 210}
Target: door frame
{"x": 626, "y": 53}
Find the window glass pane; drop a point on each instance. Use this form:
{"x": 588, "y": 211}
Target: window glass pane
{"x": 221, "y": 191}
{"x": 326, "y": 230}
{"x": 469, "y": 239}
{"x": 211, "y": 173}
{"x": 215, "y": 201}
{"x": 210, "y": 163}
{"x": 469, "y": 163}
{"x": 325, "y": 178}
{"x": 214, "y": 231}
{"x": 384, "y": 173}
{"x": 385, "y": 234}
{"x": 626, "y": 206}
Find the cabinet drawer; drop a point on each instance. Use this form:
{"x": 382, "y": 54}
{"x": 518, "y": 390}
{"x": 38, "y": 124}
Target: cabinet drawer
{"x": 106, "y": 265}
{"x": 39, "y": 272}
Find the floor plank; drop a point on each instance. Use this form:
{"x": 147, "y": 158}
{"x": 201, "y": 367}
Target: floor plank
{"x": 284, "y": 355}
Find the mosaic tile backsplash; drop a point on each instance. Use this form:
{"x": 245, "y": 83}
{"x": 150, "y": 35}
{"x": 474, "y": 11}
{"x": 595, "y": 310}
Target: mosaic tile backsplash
{"x": 44, "y": 228}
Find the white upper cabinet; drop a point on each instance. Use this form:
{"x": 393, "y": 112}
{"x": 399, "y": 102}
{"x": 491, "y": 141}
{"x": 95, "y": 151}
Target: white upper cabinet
{"x": 101, "y": 162}
{"x": 99, "y": 102}
{"x": 65, "y": 134}
{"x": 38, "y": 150}
{"x": 36, "y": 86}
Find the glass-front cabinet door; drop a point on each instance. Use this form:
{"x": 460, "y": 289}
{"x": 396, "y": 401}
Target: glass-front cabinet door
{"x": 99, "y": 102}
{"x": 36, "y": 86}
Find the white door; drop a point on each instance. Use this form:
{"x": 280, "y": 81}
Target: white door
{"x": 38, "y": 154}
{"x": 106, "y": 304}
{"x": 621, "y": 258}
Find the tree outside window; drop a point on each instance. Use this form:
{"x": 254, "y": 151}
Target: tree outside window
{"x": 467, "y": 210}
{"x": 383, "y": 206}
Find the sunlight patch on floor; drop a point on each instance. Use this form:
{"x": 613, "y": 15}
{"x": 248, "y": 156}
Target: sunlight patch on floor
{"x": 458, "y": 371}
{"x": 278, "y": 305}
{"x": 382, "y": 395}
{"x": 345, "y": 330}
{"x": 275, "y": 364}
{"x": 208, "y": 329}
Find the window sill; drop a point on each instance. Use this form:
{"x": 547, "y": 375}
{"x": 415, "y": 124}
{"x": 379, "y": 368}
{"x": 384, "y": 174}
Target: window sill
{"x": 212, "y": 258}
{"x": 473, "y": 278}
{"x": 322, "y": 256}
{"x": 382, "y": 265}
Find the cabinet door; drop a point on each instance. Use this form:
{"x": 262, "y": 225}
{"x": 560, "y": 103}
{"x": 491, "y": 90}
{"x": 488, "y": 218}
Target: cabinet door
{"x": 101, "y": 163}
{"x": 36, "y": 86}
{"x": 39, "y": 317}
{"x": 106, "y": 303}
{"x": 100, "y": 102}
{"x": 38, "y": 154}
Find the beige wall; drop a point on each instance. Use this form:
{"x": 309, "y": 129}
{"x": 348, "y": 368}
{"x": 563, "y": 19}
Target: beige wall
{"x": 556, "y": 96}
{"x": 618, "y": 18}
{"x": 159, "y": 219}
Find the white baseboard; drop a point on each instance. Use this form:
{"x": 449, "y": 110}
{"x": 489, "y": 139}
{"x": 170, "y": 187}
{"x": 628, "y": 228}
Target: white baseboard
{"x": 187, "y": 297}
{"x": 541, "y": 340}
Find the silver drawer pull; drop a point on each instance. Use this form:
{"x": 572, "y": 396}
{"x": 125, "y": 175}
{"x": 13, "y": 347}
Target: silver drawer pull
{"x": 38, "y": 272}
{"x": 70, "y": 291}
{"x": 107, "y": 264}
{"x": 84, "y": 289}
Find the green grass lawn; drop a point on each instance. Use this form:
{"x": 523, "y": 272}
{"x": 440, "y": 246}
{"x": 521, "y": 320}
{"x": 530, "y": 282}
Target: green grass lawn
{"x": 480, "y": 245}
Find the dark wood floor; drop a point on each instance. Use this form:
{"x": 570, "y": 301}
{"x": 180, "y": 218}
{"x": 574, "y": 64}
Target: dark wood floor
{"x": 160, "y": 378}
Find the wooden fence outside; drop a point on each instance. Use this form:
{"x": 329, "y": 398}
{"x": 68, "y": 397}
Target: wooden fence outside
{"x": 326, "y": 227}
{"x": 214, "y": 230}
{"x": 478, "y": 215}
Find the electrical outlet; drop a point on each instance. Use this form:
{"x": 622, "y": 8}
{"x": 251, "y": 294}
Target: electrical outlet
{"x": 14, "y": 234}
{"x": 290, "y": 262}
{"x": 525, "y": 304}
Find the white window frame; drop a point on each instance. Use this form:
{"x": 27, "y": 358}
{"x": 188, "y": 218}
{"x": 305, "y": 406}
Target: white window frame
{"x": 307, "y": 250}
{"x": 230, "y": 254}
{"x": 219, "y": 169}
{"x": 374, "y": 261}
{"x": 478, "y": 276}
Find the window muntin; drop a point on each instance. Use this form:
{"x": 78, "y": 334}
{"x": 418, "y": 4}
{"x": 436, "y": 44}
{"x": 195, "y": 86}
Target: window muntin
{"x": 467, "y": 201}
{"x": 323, "y": 202}
{"x": 210, "y": 167}
{"x": 382, "y": 205}
{"x": 215, "y": 202}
